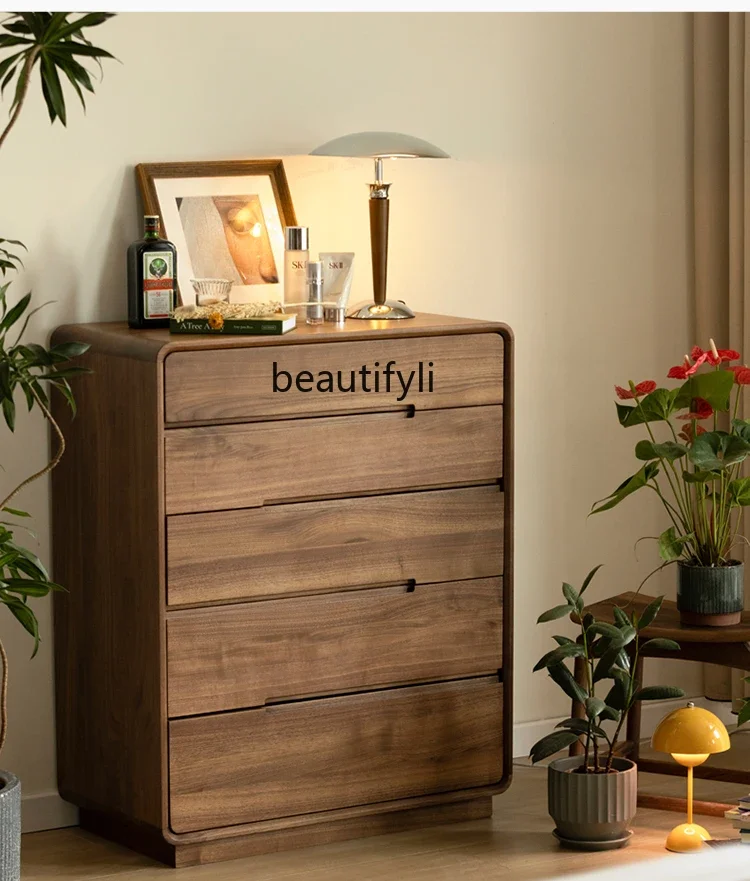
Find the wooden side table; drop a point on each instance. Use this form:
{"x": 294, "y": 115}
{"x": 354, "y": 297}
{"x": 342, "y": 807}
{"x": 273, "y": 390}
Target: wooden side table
{"x": 726, "y": 646}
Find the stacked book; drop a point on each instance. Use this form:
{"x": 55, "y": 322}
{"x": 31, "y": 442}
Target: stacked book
{"x": 740, "y": 817}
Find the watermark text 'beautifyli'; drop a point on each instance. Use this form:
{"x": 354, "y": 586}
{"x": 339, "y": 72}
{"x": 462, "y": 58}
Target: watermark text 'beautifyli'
{"x": 380, "y": 380}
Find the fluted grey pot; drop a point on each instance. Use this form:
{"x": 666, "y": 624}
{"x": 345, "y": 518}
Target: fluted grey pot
{"x": 711, "y": 596}
{"x": 592, "y": 807}
{"x": 10, "y": 827}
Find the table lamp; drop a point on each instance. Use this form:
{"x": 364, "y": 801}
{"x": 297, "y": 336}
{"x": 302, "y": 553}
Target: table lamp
{"x": 380, "y": 146}
{"x": 691, "y": 734}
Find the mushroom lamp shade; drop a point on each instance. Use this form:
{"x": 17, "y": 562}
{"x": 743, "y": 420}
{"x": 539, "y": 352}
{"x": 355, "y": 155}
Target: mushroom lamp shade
{"x": 690, "y": 734}
{"x": 380, "y": 146}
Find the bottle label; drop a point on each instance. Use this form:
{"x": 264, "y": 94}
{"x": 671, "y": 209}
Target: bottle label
{"x": 158, "y": 284}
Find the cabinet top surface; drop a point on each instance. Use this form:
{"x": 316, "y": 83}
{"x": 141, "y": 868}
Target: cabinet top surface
{"x": 157, "y": 344}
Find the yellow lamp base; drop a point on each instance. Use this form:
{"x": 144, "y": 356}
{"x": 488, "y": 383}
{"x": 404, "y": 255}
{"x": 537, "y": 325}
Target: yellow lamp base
{"x": 687, "y": 838}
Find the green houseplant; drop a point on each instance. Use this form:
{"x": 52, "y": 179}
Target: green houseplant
{"x": 592, "y": 796}
{"x": 51, "y": 43}
{"x": 694, "y": 467}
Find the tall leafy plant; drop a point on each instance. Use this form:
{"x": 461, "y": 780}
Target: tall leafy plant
{"x": 692, "y": 455}
{"x": 55, "y": 44}
{"x": 610, "y": 686}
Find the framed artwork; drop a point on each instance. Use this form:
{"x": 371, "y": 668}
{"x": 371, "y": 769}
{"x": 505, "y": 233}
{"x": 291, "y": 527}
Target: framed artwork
{"x": 226, "y": 220}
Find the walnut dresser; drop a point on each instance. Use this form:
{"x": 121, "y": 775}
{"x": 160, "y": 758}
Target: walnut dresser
{"x": 289, "y": 570}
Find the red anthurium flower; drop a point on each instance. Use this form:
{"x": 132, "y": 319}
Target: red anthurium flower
{"x": 643, "y": 388}
{"x": 683, "y": 371}
{"x": 699, "y": 409}
{"x": 741, "y": 375}
{"x": 713, "y": 355}
{"x": 687, "y": 432}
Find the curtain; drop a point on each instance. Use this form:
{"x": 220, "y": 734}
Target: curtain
{"x": 721, "y": 201}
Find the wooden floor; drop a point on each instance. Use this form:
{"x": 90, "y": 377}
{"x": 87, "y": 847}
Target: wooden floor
{"x": 516, "y": 843}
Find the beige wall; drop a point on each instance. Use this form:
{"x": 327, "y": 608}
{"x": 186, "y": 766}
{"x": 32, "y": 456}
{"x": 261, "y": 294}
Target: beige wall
{"x": 566, "y": 216}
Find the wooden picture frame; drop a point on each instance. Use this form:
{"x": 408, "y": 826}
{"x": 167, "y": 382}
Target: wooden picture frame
{"x": 226, "y": 219}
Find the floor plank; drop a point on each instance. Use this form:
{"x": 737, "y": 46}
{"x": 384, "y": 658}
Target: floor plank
{"x": 516, "y": 843}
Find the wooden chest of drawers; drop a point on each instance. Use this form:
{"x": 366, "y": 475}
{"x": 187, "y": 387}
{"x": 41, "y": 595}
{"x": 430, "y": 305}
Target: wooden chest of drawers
{"x": 289, "y": 573}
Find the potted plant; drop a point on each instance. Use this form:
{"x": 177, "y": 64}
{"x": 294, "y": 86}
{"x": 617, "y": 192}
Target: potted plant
{"x": 53, "y": 43}
{"x": 695, "y": 470}
{"x": 592, "y": 797}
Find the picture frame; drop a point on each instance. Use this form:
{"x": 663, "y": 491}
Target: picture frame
{"x": 226, "y": 219}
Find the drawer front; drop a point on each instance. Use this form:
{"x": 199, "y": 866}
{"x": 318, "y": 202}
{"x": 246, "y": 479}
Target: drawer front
{"x": 235, "y": 384}
{"x": 320, "y": 755}
{"x": 244, "y": 466}
{"x": 442, "y": 535}
{"x": 247, "y": 655}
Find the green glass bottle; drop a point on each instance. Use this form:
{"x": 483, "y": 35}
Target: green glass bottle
{"x": 152, "y": 278}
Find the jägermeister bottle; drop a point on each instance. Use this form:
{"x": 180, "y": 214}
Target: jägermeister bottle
{"x": 152, "y": 278}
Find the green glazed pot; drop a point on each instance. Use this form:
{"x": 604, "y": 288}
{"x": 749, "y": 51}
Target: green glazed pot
{"x": 711, "y": 596}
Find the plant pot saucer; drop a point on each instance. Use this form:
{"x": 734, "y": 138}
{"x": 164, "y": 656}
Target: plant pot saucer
{"x": 577, "y": 844}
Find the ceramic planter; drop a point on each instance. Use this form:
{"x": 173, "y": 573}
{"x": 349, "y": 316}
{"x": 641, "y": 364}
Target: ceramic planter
{"x": 710, "y": 596}
{"x": 592, "y": 811}
{"x": 10, "y": 827}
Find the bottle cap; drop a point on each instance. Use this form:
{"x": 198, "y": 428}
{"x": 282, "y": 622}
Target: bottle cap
{"x": 315, "y": 271}
{"x": 297, "y": 238}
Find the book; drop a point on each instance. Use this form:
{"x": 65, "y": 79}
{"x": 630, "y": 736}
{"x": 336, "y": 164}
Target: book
{"x": 195, "y": 321}
{"x": 740, "y": 819}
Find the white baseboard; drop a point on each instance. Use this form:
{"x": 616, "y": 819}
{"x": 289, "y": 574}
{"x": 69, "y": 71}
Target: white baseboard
{"x": 526, "y": 734}
{"x": 46, "y": 810}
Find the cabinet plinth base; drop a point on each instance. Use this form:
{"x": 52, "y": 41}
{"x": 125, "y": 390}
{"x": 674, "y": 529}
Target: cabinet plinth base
{"x": 151, "y": 842}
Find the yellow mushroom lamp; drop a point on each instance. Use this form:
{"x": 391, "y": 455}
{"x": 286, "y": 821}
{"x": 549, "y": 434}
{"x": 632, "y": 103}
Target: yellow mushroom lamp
{"x": 690, "y": 734}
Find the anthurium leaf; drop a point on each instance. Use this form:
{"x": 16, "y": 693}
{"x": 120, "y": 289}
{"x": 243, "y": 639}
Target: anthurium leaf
{"x": 735, "y": 449}
{"x": 560, "y": 674}
{"x": 554, "y": 614}
{"x": 627, "y": 487}
{"x": 739, "y": 491}
{"x": 742, "y": 428}
{"x": 589, "y": 578}
{"x": 714, "y": 387}
{"x": 16, "y": 512}
{"x": 658, "y": 693}
{"x": 699, "y": 476}
{"x": 552, "y": 744}
{"x": 646, "y": 450}
{"x": 671, "y": 547}
{"x": 559, "y": 654}
{"x": 662, "y": 644}
{"x": 655, "y": 407}
{"x": 704, "y": 453}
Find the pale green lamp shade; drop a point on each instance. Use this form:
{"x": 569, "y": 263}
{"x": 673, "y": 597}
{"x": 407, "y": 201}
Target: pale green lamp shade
{"x": 380, "y": 145}
{"x": 690, "y": 730}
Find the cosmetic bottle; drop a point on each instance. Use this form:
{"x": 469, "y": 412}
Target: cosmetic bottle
{"x": 314, "y": 292}
{"x": 296, "y": 255}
